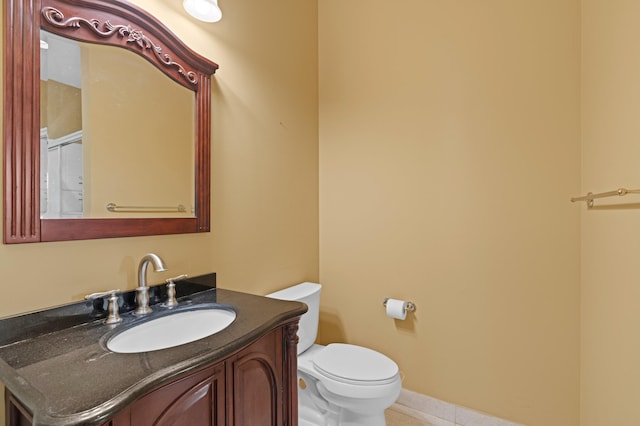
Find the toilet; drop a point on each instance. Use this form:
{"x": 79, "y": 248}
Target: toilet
{"x": 338, "y": 384}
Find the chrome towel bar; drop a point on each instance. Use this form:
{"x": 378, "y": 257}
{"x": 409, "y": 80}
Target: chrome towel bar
{"x": 112, "y": 207}
{"x": 591, "y": 196}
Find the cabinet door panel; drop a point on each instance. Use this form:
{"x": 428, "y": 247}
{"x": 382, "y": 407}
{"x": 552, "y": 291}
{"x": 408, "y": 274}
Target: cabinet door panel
{"x": 15, "y": 413}
{"x": 194, "y": 400}
{"x": 256, "y": 375}
{"x": 121, "y": 419}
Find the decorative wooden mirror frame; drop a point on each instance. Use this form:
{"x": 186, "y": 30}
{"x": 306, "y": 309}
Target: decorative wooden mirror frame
{"x": 95, "y": 21}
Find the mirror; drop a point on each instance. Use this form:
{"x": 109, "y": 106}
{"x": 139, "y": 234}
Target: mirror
{"x": 115, "y": 139}
{"x": 88, "y": 164}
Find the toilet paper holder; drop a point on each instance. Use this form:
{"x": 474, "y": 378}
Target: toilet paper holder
{"x": 411, "y": 307}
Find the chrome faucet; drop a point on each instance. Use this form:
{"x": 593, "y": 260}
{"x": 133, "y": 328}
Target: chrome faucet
{"x": 142, "y": 292}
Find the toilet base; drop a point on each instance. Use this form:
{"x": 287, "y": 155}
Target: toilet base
{"x": 315, "y": 407}
{"x": 308, "y": 416}
{"x": 311, "y": 416}
{"x": 358, "y": 419}
{"x": 355, "y": 411}
{"x": 303, "y": 422}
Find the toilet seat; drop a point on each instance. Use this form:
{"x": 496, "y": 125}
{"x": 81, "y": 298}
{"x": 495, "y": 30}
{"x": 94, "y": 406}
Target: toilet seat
{"x": 355, "y": 365}
{"x": 347, "y": 387}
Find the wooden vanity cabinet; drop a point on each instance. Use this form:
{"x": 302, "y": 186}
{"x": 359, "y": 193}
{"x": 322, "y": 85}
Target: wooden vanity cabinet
{"x": 256, "y": 386}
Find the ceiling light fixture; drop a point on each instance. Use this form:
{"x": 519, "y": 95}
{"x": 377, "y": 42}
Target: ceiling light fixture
{"x": 204, "y": 10}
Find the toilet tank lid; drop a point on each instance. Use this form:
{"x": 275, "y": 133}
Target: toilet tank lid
{"x": 296, "y": 292}
{"x": 353, "y": 363}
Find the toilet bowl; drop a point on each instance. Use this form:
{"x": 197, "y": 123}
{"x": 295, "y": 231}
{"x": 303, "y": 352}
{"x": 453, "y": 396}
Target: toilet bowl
{"x": 338, "y": 384}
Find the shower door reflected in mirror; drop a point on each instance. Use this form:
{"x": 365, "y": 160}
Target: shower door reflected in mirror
{"x": 114, "y": 130}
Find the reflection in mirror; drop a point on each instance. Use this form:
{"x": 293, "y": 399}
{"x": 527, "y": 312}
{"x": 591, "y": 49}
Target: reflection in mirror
{"x": 109, "y": 136}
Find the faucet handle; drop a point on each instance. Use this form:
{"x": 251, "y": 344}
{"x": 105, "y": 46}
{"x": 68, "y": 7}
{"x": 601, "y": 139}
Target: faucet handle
{"x": 178, "y": 278}
{"x": 171, "y": 290}
{"x": 113, "y": 310}
{"x": 98, "y": 295}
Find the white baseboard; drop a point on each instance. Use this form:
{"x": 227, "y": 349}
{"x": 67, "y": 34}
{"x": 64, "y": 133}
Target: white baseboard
{"x": 440, "y": 413}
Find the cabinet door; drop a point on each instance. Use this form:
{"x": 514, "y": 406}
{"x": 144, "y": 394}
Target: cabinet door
{"x": 255, "y": 377}
{"x": 15, "y": 413}
{"x": 121, "y": 419}
{"x": 197, "y": 399}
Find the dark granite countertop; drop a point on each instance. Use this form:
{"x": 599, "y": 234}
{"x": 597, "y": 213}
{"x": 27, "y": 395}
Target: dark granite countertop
{"x": 57, "y": 364}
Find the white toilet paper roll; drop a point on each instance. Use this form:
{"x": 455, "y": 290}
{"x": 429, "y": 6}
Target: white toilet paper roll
{"x": 396, "y": 309}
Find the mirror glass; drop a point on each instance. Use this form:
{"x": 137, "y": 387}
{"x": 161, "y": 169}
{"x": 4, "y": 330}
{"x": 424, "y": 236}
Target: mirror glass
{"x": 117, "y": 136}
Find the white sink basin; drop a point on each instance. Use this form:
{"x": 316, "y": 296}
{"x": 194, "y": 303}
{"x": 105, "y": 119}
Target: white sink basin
{"x": 171, "y": 330}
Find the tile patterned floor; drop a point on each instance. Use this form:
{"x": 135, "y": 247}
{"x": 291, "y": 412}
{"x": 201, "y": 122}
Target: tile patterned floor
{"x": 398, "y": 417}
{"x": 395, "y": 418}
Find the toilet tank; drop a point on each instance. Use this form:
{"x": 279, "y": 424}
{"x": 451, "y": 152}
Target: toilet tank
{"x": 308, "y": 293}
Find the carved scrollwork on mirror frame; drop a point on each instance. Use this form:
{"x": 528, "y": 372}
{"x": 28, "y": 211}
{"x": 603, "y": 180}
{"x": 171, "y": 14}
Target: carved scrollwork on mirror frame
{"x": 106, "y": 29}
{"x": 137, "y": 31}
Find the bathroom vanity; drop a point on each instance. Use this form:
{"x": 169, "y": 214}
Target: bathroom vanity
{"x": 58, "y": 370}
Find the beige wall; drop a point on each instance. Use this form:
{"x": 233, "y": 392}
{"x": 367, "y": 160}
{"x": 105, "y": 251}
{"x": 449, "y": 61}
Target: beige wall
{"x": 264, "y": 171}
{"x": 449, "y": 148}
{"x": 610, "y": 242}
